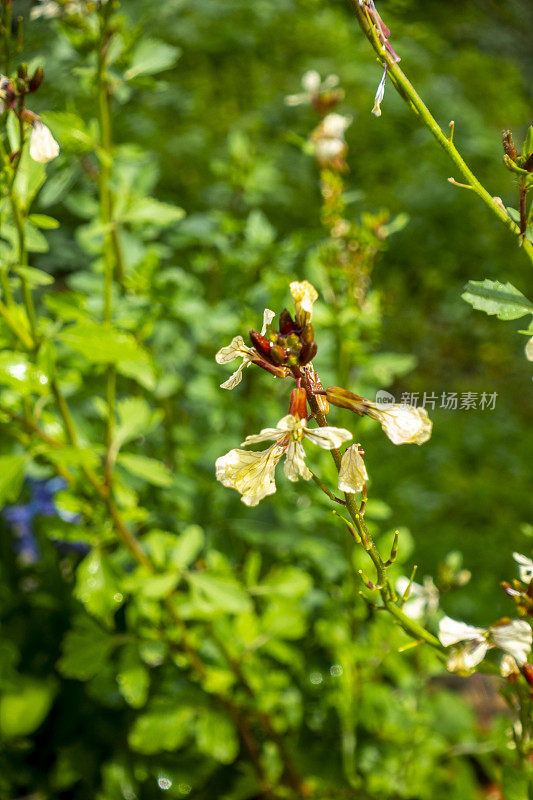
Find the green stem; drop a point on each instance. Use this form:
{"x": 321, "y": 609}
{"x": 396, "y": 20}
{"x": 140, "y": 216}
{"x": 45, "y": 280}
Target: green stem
{"x": 409, "y": 94}
{"x": 410, "y": 626}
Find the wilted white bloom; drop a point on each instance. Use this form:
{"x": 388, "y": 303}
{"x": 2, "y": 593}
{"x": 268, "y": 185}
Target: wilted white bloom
{"x": 423, "y": 597}
{"x": 249, "y": 472}
{"x": 43, "y": 146}
{"x": 252, "y": 473}
{"x": 238, "y": 349}
{"x": 508, "y": 666}
{"x": 525, "y": 567}
{"x": 313, "y": 86}
{"x": 514, "y": 637}
{"x": 402, "y": 424}
{"x": 304, "y": 295}
{"x": 352, "y": 474}
{"x": 529, "y": 349}
{"x": 328, "y": 140}
{"x": 378, "y": 99}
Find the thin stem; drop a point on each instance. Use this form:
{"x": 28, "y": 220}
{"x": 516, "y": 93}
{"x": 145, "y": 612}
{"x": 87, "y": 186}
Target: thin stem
{"x": 326, "y": 491}
{"x": 409, "y": 94}
{"x": 409, "y": 625}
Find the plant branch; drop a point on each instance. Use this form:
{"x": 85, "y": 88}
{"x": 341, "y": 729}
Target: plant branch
{"x": 409, "y": 94}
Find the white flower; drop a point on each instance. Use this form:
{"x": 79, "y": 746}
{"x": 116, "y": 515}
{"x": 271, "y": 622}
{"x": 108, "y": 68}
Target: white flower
{"x": 352, "y": 474}
{"x": 313, "y": 86}
{"x": 529, "y": 349}
{"x": 334, "y": 125}
{"x": 304, "y": 295}
{"x": 238, "y": 349}
{"x": 43, "y": 146}
{"x": 514, "y": 637}
{"x": 423, "y": 598}
{"x": 378, "y": 99}
{"x": 402, "y": 424}
{"x": 508, "y": 667}
{"x": 525, "y": 567}
{"x": 48, "y": 9}
{"x": 252, "y": 473}
{"x": 249, "y": 472}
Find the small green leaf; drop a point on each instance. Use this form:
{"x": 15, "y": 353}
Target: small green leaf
{"x": 35, "y": 277}
{"x": 148, "y": 211}
{"x": 187, "y": 547}
{"x": 493, "y": 297}
{"x": 165, "y": 728}
{"x": 11, "y": 477}
{"x": 216, "y": 736}
{"x": 97, "y": 586}
{"x": 24, "y": 709}
{"x": 133, "y": 677}
{"x": 85, "y": 650}
{"x": 43, "y": 221}
{"x": 149, "y": 469}
{"x": 151, "y": 56}
{"x": 224, "y": 594}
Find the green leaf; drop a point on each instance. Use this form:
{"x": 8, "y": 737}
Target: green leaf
{"x": 258, "y": 230}
{"x": 102, "y": 344}
{"x": 148, "y": 469}
{"x": 224, "y": 594}
{"x": 165, "y": 728}
{"x": 285, "y": 581}
{"x": 148, "y": 211}
{"x": 70, "y": 130}
{"x": 188, "y": 546}
{"x": 216, "y": 736}
{"x": 24, "y": 709}
{"x": 97, "y": 586}
{"x": 43, "y": 221}
{"x": 493, "y": 297}
{"x": 133, "y": 677}
{"x": 85, "y": 650}
{"x": 17, "y": 372}
{"x": 134, "y": 418}
{"x": 11, "y": 477}
{"x": 151, "y": 56}
{"x": 514, "y": 784}
{"x": 35, "y": 277}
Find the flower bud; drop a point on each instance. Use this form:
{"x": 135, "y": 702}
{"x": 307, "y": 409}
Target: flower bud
{"x": 298, "y": 404}
{"x": 278, "y": 354}
{"x": 508, "y": 145}
{"x": 345, "y": 399}
{"x": 36, "y": 79}
{"x": 261, "y": 344}
{"x": 308, "y": 334}
{"x": 307, "y": 353}
{"x": 528, "y": 673}
{"x": 286, "y": 323}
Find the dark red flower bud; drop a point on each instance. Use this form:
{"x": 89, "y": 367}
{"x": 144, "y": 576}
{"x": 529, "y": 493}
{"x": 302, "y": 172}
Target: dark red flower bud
{"x": 286, "y": 323}
{"x": 36, "y": 79}
{"x": 261, "y": 344}
{"x": 307, "y": 353}
{"x": 278, "y": 354}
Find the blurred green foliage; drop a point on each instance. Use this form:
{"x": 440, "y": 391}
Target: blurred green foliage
{"x": 218, "y": 208}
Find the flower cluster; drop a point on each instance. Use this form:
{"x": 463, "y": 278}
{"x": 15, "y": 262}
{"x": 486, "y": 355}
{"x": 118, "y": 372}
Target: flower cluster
{"x": 43, "y": 146}
{"x": 287, "y": 352}
{"x": 329, "y": 144}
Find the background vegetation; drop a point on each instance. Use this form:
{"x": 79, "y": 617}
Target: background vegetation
{"x": 99, "y": 698}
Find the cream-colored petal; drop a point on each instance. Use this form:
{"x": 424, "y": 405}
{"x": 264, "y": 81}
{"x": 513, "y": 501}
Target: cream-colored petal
{"x": 508, "y": 666}
{"x": 250, "y": 473}
{"x": 463, "y": 660}
{"x": 295, "y": 462}
{"x": 328, "y": 437}
{"x": 265, "y": 435}
{"x": 352, "y": 474}
{"x": 236, "y": 349}
{"x": 452, "y": 631}
{"x": 402, "y": 424}
{"x": 291, "y": 423}
{"x": 43, "y": 146}
{"x": 525, "y": 567}
{"x": 236, "y": 378}
{"x": 515, "y": 637}
{"x": 311, "y": 81}
{"x": 268, "y": 316}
